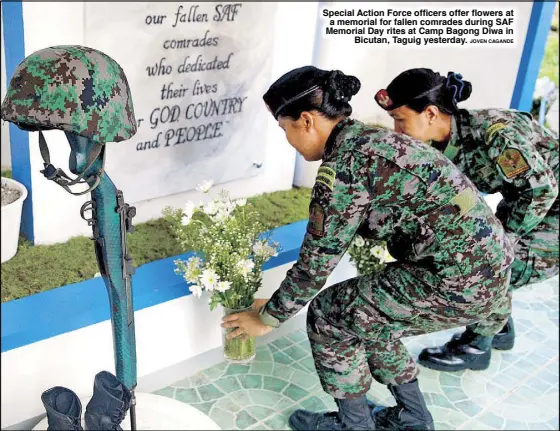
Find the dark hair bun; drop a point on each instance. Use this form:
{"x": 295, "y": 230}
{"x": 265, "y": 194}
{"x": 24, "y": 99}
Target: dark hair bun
{"x": 342, "y": 87}
{"x": 466, "y": 91}
{"x": 457, "y": 89}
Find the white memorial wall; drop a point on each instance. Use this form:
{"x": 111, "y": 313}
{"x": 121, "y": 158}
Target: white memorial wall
{"x": 215, "y": 125}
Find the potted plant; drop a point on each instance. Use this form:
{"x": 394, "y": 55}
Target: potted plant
{"x": 13, "y": 196}
{"x": 230, "y": 251}
{"x": 368, "y": 255}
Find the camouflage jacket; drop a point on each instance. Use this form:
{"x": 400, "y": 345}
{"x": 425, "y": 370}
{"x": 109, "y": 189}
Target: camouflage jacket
{"x": 390, "y": 187}
{"x": 508, "y": 152}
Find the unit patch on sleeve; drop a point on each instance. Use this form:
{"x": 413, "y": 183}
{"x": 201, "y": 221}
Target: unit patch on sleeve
{"x": 326, "y": 176}
{"x": 316, "y": 224}
{"x": 512, "y": 163}
{"x": 491, "y": 131}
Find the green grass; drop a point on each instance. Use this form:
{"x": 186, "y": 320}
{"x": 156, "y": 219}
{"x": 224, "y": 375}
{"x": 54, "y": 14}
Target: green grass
{"x": 6, "y": 173}
{"x": 39, "y": 268}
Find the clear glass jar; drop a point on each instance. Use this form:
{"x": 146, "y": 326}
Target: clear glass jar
{"x": 238, "y": 350}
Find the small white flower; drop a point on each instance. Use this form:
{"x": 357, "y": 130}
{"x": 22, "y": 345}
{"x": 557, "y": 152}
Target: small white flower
{"x": 378, "y": 252}
{"x": 196, "y": 290}
{"x": 245, "y": 266}
{"x": 211, "y": 208}
{"x": 205, "y": 186}
{"x": 186, "y": 220}
{"x": 388, "y": 257}
{"x": 359, "y": 241}
{"x": 221, "y": 216}
{"x": 223, "y": 195}
{"x": 241, "y": 202}
{"x": 192, "y": 269}
{"x": 188, "y": 211}
{"x": 222, "y": 286}
{"x": 209, "y": 279}
{"x": 258, "y": 249}
{"x": 263, "y": 249}
{"x": 230, "y": 206}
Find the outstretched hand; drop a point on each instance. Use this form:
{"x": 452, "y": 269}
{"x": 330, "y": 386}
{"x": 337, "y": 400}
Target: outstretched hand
{"x": 258, "y": 304}
{"x": 247, "y": 323}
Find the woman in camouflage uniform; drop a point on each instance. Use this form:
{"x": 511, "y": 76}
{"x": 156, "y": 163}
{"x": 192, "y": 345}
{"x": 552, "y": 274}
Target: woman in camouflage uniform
{"x": 500, "y": 150}
{"x": 452, "y": 254}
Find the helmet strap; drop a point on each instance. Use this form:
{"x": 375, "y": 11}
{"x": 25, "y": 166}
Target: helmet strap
{"x": 62, "y": 179}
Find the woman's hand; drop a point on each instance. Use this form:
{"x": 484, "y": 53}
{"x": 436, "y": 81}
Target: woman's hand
{"x": 247, "y": 324}
{"x": 258, "y": 304}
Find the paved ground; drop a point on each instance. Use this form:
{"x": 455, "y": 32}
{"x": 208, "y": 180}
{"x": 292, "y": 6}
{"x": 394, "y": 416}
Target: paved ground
{"x": 518, "y": 392}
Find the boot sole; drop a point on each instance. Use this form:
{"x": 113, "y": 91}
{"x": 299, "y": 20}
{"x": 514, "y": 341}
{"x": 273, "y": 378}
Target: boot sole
{"x": 291, "y": 424}
{"x": 441, "y": 367}
{"x": 508, "y": 345}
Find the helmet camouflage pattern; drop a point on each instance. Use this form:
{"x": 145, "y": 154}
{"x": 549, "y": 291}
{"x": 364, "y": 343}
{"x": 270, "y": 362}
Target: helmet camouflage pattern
{"x": 71, "y": 88}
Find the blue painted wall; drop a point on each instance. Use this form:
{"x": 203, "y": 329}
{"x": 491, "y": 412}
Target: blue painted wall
{"x": 14, "y": 50}
{"x": 532, "y": 56}
{"x": 68, "y": 308}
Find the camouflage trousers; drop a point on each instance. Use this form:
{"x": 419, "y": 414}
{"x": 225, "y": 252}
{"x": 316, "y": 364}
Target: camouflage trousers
{"x": 536, "y": 259}
{"x": 355, "y": 327}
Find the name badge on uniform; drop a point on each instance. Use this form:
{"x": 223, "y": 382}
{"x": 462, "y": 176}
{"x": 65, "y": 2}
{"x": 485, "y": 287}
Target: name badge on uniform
{"x": 512, "y": 163}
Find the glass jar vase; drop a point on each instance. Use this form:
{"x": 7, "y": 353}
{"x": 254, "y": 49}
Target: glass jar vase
{"x": 238, "y": 350}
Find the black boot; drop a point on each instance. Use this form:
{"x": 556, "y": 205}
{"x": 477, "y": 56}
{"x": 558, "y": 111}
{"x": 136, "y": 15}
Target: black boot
{"x": 503, "y": 340}
{"x": 109, "y": 404}
{"x": 352, "y": 414}
{"x": 64, "y": 410}
{"x": 410, "y": 413}
{"x": 468, "y": 351}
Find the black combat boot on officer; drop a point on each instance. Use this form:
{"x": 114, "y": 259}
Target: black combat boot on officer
{"x": 353, "y": 414}
{"x": 410, "y": 413}
{"x": 467, "y": 350}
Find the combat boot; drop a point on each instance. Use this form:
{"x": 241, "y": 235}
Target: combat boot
{"x": 469, "y": 351}
{"x": 64, "y": 410}
{"x": 503, "y": 340}
{"x": 353, "y": 414}
{"x": 410, "y": 413}
{"x": 109, "y": 404}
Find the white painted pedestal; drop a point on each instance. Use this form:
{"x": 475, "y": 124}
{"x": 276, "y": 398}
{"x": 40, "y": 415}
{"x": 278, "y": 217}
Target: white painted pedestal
{"x": 156, "y": 412}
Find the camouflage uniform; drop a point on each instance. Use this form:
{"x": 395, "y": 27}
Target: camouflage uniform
{"x": 509, "y": 152}
{"x": 452, "y": 257}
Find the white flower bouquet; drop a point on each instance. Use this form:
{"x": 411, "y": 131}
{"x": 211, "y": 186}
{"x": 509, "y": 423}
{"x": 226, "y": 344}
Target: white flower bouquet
{"x": 368, "y": 255}
{"x": 230, "y": 250}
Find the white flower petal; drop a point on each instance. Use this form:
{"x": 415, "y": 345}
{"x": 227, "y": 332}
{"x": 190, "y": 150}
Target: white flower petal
{"x": 205, "y": 186}
{"x": 186, "y": 220}
{"x": 196, "y": 290}
{"x": 189, "y": 209}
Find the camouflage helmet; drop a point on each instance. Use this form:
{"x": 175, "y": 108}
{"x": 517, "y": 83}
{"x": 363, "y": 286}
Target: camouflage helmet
{"x": 72, "y": 88}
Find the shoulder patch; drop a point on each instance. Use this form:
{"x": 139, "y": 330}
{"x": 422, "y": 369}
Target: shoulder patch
{"x": 491, "y": 131}
{"x": 512, "y": 163}
{"x": 316, "y": 224}
{"x": 326, "y": 176}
